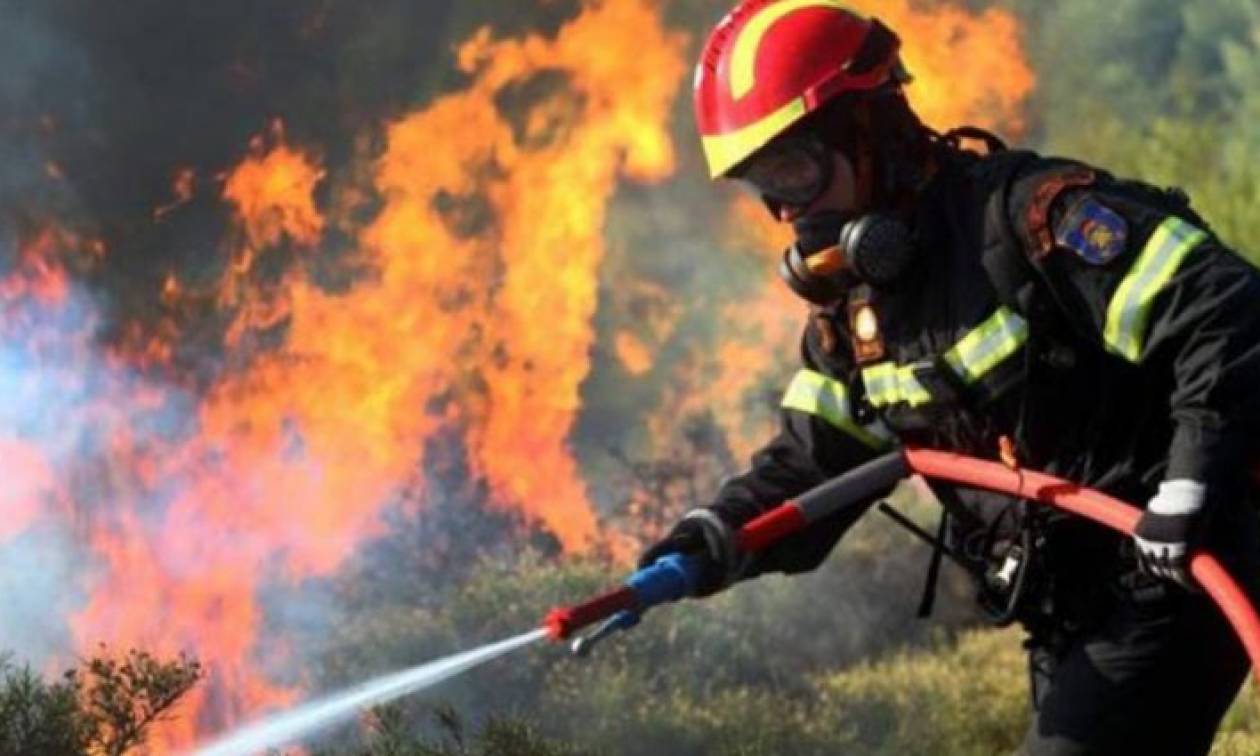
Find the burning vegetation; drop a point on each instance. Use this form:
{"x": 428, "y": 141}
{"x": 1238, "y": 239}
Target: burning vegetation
{"x": 294, "y": 304}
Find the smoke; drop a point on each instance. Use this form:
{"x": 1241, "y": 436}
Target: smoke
{"x": 77, "y": 426}
{"x": 41, "y": 392}
{"x": 36, "y": 62}
{"x": 78, "y": 430}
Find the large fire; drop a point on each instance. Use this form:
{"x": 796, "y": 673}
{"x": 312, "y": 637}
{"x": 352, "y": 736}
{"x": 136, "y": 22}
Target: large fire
{"x": 471, "y": 315}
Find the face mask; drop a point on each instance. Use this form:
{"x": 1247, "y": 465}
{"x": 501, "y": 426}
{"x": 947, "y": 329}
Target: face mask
{"x": 834, "y": 251}
{"x": 792, "y": 171}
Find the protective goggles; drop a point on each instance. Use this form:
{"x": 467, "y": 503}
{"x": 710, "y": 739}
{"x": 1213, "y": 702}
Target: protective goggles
{"x": 791, "y": 172}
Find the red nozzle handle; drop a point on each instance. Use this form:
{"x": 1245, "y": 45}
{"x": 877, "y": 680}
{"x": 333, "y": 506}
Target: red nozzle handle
{"x": 564, "y": 621}
{"x": 761, "y": 531}
{"x": 855, "y": 488}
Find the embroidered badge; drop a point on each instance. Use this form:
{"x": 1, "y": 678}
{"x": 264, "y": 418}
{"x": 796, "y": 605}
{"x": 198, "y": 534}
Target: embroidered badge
{"x": 1093, "y": 231}
{"x": 1047, "y": 191}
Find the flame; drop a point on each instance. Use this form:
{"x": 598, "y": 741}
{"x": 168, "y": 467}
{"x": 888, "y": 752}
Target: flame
{"x": 172, "y": 292}
{"x": 183, "y": 187}
{"x": 649, "y": 310}
{"x": 39, "y": 275}
{"x": 968, "y": 68}
{"x": 273, "y": 192}
{"x": 30, "y": 480}
{"x": 38, "y": 280}
{"x": 635, "y": 356}
{"x": 504, "y": 316}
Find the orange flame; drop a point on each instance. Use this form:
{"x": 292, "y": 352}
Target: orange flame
{"x": 505, "y": 316}
{"x": 39, "y": 274}
{"x": 476, "y": 318}
{"x": 969, "y": 68}
{"x": 635, "y": 356}
{"x": 273, "y": 191}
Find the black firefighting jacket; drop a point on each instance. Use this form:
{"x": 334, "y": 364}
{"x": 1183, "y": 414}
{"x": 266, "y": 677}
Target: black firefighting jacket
{"x": 1097, "y": 322}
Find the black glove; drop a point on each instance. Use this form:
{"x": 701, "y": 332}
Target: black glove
{"x": 1165, "y": 534}
{"x": 702, "y": 533}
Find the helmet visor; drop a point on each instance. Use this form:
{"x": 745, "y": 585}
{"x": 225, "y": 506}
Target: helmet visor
{"x": 791, "y": 172}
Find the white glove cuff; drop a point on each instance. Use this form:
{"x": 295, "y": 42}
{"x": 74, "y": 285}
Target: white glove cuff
{"x": 1178, "y": 497}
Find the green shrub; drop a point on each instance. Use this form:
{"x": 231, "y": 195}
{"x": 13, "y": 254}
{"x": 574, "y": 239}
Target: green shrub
{"x": 104, "y": 706}
{"x": 965, "y": 697}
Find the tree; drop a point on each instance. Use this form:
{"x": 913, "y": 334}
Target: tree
{"x": 104, "y": 706}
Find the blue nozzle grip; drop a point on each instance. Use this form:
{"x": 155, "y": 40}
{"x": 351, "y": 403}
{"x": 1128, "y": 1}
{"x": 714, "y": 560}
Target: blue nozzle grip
{"x": 624, "y": 620}
{"x": 670, "y": 578}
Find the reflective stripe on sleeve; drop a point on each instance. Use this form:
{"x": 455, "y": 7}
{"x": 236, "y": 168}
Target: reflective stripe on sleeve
{"x": 888, "y": 383}
{"x": 816, "y": 394}
{"x": 1130, "y": 306}
{"x": 987, "y": 345}
{"x": 973, "y": 357}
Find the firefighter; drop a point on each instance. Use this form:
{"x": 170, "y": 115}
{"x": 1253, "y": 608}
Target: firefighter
{"x": 1004, "y": 305}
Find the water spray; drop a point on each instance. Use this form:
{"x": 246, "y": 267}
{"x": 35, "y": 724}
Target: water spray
{"x": 676, "y": 576}
{"x": 319, "y": 714}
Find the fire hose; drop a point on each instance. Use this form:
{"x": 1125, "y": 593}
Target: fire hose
{"x": 675, "y": 576}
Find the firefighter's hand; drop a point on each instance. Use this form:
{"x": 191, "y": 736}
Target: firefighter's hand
{"x": 702, "y": 533}
{"x": 1165, "y": 532}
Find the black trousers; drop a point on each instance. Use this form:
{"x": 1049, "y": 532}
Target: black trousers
{"x": 1156, "y": 674}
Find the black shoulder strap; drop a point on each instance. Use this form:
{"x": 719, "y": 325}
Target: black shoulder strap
{"x": 1003, "y": 256}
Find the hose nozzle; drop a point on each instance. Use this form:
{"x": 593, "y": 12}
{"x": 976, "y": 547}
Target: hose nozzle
{"x": 670, "y": 578}
{"x": 623, "y": 620}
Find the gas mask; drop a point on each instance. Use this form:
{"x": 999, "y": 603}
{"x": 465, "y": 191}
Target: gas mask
{"x": 836, "y": 251}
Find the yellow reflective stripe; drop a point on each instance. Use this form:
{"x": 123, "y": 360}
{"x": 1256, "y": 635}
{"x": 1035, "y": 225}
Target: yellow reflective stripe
{"x": 818, "y": 395}
{"x": 881, "y": 384}
{"x": 743, "y": 71}
{"x": 909, "y": 387}
{"x": 983, "y": 348}
{"x": 1130, "y": 306}
{"x": 987, "y": 345}
{"x": 725, "y": 151}
{"x": 887, "y": 383}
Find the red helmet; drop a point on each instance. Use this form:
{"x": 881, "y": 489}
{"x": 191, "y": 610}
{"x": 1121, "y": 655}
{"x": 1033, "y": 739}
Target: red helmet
{"x": 770, "y": 63}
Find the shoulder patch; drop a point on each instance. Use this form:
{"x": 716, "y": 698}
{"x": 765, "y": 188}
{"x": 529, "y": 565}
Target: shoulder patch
{"x": 1048, "y": 188}
{"x": 1095, "y": 232}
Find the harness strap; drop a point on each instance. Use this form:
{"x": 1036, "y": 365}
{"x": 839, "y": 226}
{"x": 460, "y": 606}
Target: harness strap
{"x": 933, "y": 578}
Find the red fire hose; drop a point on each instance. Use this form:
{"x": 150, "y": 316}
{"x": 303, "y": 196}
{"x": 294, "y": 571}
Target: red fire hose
{"x": 858, "y": 486}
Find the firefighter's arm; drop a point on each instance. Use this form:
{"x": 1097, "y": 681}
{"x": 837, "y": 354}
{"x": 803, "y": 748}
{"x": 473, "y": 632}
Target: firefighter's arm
{"x": 1205, "y": 324}
{"x": 819, "y": 438}
{"x": 1161, "y": 293}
